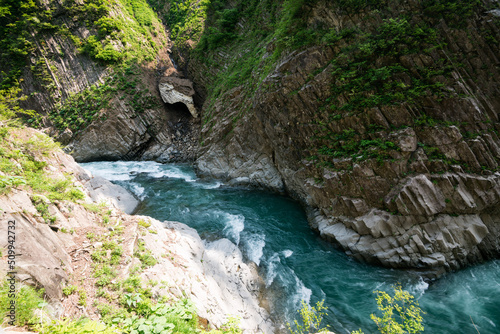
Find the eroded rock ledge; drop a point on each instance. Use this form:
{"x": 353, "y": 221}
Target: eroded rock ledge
{"x": 177, "y": 90}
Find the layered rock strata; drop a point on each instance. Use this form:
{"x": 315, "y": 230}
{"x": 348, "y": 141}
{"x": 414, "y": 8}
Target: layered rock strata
{"x": 427, "y": 200}
{"x": 58, "y": 69}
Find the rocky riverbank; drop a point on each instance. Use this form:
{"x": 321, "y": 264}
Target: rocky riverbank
{"x": 58, "y": 242}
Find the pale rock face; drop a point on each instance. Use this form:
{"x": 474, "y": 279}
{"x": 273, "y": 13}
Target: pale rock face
{"x": 177, "y": 90}
{"x": 101, "y": 190}
{"x": 211, "y": 274}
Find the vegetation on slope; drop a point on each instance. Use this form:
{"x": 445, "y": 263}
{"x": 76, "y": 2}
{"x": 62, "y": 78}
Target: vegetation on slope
{"x": 81, "y": 109}
{"x": 119, "y": 35}
{"x": 126, "y": 303}
{"x": 23, "y": 158}
{"x": 121, "y": 30}
{"x": 384, "y": 56}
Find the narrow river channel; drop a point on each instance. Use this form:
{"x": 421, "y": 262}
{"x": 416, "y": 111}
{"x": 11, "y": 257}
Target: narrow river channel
{"x": 273, "y": 232}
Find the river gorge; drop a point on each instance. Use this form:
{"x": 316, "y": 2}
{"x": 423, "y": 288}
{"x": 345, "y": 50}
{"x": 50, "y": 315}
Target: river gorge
{"x": 295, "y": 263}
{"x": 309, "y": 149}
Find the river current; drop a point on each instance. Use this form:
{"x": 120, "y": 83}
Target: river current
{"x": 273, "y": 232}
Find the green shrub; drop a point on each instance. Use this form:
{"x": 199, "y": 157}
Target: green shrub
{"x": 178, "y": 318}
{"x": 69, "y": 290}
{"x": 9, "y": 103}
{"x": 82, "y": 326}
{"x": 310, "y": 319}
{"x": 400, "y": 314}
{"x": 27, "y": 300}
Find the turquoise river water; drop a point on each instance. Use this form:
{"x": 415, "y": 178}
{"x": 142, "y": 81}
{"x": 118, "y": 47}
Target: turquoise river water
{"x": 273, "y": 232}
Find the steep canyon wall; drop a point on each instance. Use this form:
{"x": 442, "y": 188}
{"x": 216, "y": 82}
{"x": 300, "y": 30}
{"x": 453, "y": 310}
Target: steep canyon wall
{"x": 386, "y": 127}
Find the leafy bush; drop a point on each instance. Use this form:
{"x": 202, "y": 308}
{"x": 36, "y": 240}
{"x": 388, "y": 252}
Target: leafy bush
{"x": 107, "y": 26}
{"x": 162, "y": 318}
{"x": 83, "y": 326}
{"x": 27, "y": 301}
{"x": 185, "y": 19}
{"x": 311, "y": 318}
{"x": 68, "y": 290}
{"x": 9, "y": 103}
{"x": 400, "y": 314}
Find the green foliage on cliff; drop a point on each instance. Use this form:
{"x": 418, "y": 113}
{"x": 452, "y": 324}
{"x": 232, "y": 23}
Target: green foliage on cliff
{"x": 359, "y": 74}
{"x": 16, "y": 17}
{"x": 22, "y": 162}
{"x": 120, "y": 30}
{"x": 80, "y": 110}
{"x": 249, "y": 32}
{"x": 26, "y": 298}
{"x": 9, "y": 104}
{"x": 383, "y": 56}
{"x": 124, "y": 37}
{"x": 23, "y": 154}
{"x": 401, "y": 313}
{"x": 388, "y": 58}
{"x": 185, "y": 19}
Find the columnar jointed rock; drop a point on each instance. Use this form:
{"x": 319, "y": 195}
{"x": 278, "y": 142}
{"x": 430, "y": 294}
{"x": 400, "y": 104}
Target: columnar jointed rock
{"x": 177, "y": 90}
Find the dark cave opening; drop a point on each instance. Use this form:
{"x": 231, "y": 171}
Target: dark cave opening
{"x": 178, "y": 110}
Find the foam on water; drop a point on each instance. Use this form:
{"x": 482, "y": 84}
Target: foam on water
{"x": 213, "y": 185}
{"x": 419, "y": 288}
{"x": 127, "y": 170}
{"x": 272, "y": 269}
{"x": 255, "y": 247}
{"x": 137, "y": 190}
{"x": 301, "y": 293}
{"x": 112, "y": 171}
{"x": 287, "y": 253}
{"x": 234, "y": 225}
{"x": 173, "y": 173}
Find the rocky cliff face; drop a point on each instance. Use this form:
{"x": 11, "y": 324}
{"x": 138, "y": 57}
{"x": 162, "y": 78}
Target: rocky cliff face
{"x": 92, "y": 76}
{"x": 391, "y": 141}
{"x": 380, "y": 116}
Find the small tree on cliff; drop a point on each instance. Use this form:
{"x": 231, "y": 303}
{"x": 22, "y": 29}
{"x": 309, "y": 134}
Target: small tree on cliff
{"x": 400, "y": 314}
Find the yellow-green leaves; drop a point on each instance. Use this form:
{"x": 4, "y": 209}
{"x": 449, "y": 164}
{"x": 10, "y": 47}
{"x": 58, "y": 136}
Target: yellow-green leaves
{"x": 401, "y": 313}
{"x": 311, "y": 318}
